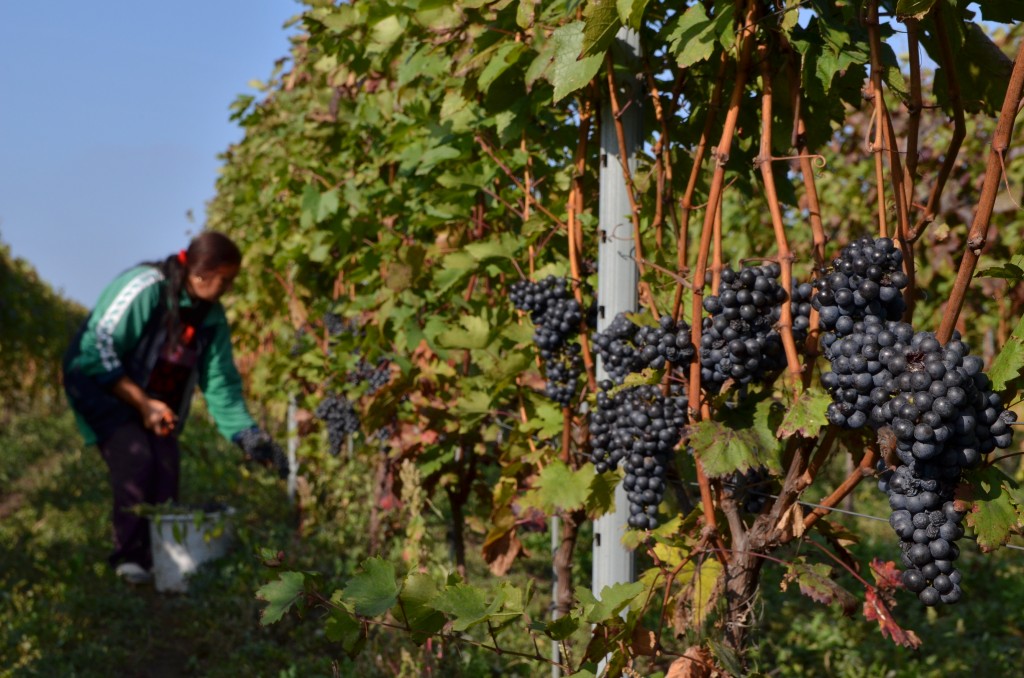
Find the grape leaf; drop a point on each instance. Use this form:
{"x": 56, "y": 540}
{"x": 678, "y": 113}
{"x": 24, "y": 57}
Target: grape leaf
{"x": 561, "y": 628}
{"x": 1008, "y": 363}
{"x": 1008, "y": 271}
{"x": 558, "y": 487}
{"x": 505, "y": 57}
{"x": 418, "y": 594}
{"x": 875, "y": 609}
{"x": 342, "y": 627}
{"x": 693, "y": 39}
{"x": 524, "y": 13}
{"x": 612, "y": 600}
{"x": 374, "y": 590}
{"x": 913, "y": 8}
{"x": 601, "y": 499}
{"x": 475, "y": 333}
{"x": 631, "y": 12}
{"x": 805, "y": 416}
{"x": 816, "y": 582}
{"x": 568, "y": 73}
{"x": 281, "y": 595}
{"x": 601, "y": 24}
{"x": 743, "y": 439}
{"x": 992, "y": 513}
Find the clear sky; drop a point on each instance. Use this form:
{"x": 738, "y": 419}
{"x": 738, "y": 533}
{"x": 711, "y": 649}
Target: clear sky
{"x": 112, "y": 114}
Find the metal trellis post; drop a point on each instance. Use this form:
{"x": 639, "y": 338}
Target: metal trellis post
{"x": 617, "y": 285}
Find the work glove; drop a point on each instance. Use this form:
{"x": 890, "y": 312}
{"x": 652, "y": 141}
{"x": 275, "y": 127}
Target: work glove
{"x": 259, "y": 447}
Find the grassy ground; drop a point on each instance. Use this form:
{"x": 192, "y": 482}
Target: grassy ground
{"x": 63, "y": 613}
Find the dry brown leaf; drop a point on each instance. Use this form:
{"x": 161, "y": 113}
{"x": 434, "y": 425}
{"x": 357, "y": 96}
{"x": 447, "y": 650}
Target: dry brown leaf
{"x": 696, "y": 662}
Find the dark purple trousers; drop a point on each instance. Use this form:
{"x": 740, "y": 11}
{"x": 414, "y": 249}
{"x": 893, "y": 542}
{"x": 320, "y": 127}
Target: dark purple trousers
{"x": 144, "y": 469}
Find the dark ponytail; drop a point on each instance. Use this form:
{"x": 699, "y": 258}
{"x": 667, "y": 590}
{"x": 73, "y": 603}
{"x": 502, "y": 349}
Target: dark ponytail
{"x": 206, "y": 252}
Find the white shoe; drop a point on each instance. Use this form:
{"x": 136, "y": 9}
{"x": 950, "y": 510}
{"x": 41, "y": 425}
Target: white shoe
{"x": 133, "y": 573}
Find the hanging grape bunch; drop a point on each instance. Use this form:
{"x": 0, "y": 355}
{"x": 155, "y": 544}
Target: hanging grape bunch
{"x": 376, "y": 376}
{"x": 740, "y": 340}
{"x": 866, "y": 279}
{"x": 931, "y": 404}
{"x": 338, "y": 413}
{"x": 627, "y": 348}
{"x": 556, "y": 316}
{"x": 640, "y": 427}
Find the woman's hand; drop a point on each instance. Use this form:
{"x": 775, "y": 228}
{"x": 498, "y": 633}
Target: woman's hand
{"x": 158, "y": 417}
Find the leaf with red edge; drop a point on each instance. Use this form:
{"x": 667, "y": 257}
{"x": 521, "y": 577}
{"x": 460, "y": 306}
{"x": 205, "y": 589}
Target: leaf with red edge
{"x": 815, "y": 582}
{"x": 875, "y": 609}
{"x": 887, "y": 575}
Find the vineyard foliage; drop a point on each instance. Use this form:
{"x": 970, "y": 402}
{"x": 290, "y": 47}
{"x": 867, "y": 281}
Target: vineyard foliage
{"x": 36, "y": 324}
{"x": 411, "y": 160}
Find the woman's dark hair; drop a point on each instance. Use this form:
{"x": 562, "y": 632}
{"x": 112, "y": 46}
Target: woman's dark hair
{"x": 206, "y": 252}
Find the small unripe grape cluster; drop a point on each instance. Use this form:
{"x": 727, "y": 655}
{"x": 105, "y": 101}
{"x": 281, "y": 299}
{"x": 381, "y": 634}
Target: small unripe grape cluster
{"x": 640, "y": 427}
{"x": 556, "y": 316}
{"x": 627, "y": 348}
{"x": 740, "y": 340}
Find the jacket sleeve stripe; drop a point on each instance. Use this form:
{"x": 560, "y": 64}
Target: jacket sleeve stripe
{"x": 116, "y": 312}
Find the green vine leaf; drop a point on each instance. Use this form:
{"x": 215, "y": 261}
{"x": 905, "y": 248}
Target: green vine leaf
{"x": 741, "y": 439}
{"x": 631, "y": 12}
{"x": 417, "y": 606}
{"x": 612, "y": 600}
{"x": 560, "y": 488}
{"x": 281, "y": 595}
{"x": 693, "y": 39}
{"x": 475, "y": 333}
{"x": 342, "y": 627}
{"x": 1008, "y": 271}
{"x": 570, "y": 73}
{"x": 1010, "y": 361}
{"x": 374, "y": 590}
{"x": 913, "y": 9}
{"x": 505, "y": 57}
{"x": 601, "y": 23}
{"x": 805, "y": 416}
{"x": 995, "y": 506}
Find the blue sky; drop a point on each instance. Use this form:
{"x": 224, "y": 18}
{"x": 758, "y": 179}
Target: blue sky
{"x": 112, "y": 114}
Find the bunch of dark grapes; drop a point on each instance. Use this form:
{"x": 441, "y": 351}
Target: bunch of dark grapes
{"x": 640, "y": 427}
{"x": 751, "y": 489}
{"x": 341, "y": 419}
{"x": 625, "y": 347}
{"x": 933, "y": 408}
{"x": 376, "y": 376}
{"x": 556, "y": 316}
{"x": 740, "y": 340}
{"x": 337, "y": 325}
{"x": 866, "y": 279}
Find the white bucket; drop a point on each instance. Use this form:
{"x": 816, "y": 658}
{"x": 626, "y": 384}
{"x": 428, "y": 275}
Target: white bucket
{"x": 182, "y": 541}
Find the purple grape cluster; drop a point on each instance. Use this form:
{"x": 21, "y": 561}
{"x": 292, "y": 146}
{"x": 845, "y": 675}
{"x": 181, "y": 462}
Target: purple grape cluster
{"x": 376, "y": 376}
{"x": 866, "y": 279}
{"x": 640, "y": 427}
{"x": 556, "y": 316}
{"x": 931, "y": 404}
{"x": 740, "y": 340}
{"x": 627, "y": 348}
{"x": 340, "y": 416}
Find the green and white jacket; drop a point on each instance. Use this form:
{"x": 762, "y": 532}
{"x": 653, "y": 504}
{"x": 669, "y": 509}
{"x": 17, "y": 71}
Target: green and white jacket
{"x": 125, "y": 334}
